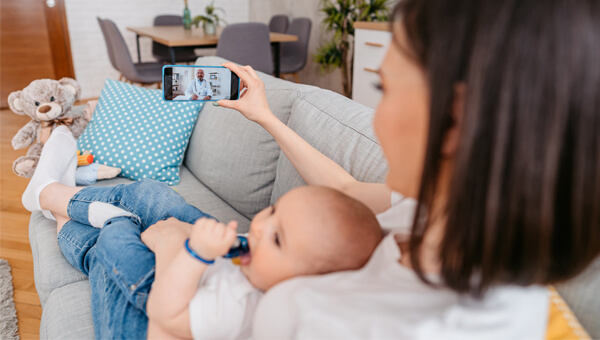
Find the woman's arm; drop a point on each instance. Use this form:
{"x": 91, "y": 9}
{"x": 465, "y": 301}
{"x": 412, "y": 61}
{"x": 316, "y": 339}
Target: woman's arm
{"x": 314, "y": 167}
{"x": 176, "y": 280}
{"x": 317, "y": 169}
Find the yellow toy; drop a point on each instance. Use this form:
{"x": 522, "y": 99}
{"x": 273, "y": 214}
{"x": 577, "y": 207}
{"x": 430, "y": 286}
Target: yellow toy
{"x": 85, "y": 158}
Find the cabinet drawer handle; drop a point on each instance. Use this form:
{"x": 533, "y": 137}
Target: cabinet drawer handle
{"x": 371, "y": 70}
{"x": 373, "y": 44}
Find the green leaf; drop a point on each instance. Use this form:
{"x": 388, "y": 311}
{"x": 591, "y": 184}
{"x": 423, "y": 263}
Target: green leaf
{"x": 340, "y": 16}
{"x": 329, "y": 56}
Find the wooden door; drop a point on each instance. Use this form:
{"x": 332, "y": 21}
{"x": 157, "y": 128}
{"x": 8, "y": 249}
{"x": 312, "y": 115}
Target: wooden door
{"x": 34, "y": 44}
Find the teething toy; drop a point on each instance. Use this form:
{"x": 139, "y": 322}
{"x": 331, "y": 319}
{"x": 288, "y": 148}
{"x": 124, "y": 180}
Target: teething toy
{"x": 240, "y": 247}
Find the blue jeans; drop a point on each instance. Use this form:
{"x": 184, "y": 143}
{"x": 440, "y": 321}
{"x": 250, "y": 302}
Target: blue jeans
{"x": 119, "y": 266}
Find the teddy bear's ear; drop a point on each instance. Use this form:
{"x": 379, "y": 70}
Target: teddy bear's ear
{"x": 14, "y": 102}
{"x": 72, "y": 86}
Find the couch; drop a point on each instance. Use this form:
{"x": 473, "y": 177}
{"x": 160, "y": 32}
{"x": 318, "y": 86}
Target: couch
{"x": 233, "y": 169}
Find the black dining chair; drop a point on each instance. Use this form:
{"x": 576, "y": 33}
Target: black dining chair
{"x": 161, "y": 52}
{"x": 247, "y": 44}
{"x": 118, "y": 53}
{"x": 279, "y": 23}
{"x": 294, "y": 54}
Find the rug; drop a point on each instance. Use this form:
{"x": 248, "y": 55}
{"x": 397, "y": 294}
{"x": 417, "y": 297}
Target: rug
{"x": 8, "y": 313}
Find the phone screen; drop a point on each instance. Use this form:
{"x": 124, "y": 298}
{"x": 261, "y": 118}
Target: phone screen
{"x": 203, "y": 83}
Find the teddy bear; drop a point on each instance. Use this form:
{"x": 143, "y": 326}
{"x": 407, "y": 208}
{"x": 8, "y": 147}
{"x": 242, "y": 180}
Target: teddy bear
{"x": 48, "y": 103}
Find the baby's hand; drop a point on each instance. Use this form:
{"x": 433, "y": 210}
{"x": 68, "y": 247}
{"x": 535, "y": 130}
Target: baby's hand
{"x": 211, "y": 239}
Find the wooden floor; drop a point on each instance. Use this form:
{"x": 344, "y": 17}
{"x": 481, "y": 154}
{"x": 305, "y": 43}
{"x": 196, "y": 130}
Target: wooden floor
{"x": 14, "y": 225}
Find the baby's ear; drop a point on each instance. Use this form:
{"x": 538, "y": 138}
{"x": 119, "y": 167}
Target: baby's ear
{"x": 72, "y": 86}
{"x": 14, "y": 102}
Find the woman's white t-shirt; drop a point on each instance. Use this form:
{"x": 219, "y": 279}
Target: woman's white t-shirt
{"x": 385, "y": 300}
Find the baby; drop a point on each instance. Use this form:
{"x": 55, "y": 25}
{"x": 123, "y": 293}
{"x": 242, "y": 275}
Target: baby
{"x": 309, "y": 231}
{"x": 119, "y": 238}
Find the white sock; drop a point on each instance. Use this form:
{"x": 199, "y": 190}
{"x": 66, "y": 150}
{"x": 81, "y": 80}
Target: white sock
{"x": 68, "y": 178}
{"x": 100, "y": 212}
{"x": 57, "y": 161}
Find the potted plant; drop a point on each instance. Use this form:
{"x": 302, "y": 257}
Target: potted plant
{"x": 340, "y": 18}
{"x": 210, "y": 19}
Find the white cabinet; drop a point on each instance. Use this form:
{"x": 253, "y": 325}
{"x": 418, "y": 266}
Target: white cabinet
{"x": 371, "y": 41}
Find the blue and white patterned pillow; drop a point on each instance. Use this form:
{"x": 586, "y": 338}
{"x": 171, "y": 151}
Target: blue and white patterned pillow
{"x": 135, "y": 129}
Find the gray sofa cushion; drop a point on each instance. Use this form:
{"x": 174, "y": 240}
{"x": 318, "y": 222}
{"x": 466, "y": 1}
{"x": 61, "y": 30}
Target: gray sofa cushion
{"x": 68, "y": 313}
{"x": 339, "y": 128}
{"x": 236, "y": 158}
{"x": 51, "y": 269}
{"x": 198, "y": 195}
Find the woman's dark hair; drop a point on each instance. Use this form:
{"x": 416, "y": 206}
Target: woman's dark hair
{"x": 524, "y": 200}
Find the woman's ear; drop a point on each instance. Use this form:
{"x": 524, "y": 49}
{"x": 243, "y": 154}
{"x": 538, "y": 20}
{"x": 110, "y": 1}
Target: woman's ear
{"x": 453, "y": 134}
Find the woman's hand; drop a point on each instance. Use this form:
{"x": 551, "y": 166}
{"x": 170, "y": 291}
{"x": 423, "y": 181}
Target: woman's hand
{"x": 253, "y": 101}
{"x": 211, "y": 239}
{"x": 166, "y": 232}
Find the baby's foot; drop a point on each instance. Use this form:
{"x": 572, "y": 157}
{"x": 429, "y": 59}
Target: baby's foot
{"x": 57, "y": 164}
{"x": 90, "y": 174}
{"x": 107, "y": 172}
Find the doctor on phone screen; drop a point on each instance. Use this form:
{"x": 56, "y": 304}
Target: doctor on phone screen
{"x": 199, "y": 88}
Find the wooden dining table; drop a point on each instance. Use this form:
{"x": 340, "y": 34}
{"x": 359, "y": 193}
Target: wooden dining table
{"x": 177, "y": 37}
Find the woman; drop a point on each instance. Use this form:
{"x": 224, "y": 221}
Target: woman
{"x": 490, "y": 118}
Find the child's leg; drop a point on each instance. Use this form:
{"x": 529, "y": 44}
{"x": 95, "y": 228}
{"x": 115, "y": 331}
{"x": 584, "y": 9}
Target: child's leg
{"x": 57, "y": 164}
{"x": 77, "y": 242}
{"x": 118, "y": 249}
{"x": 147, "y": 200}
{"x": 77, "y": 203}
{"x": 51, "y": 188}
{"x": 113, "y": 315}
{"x": 186, "y": 213}
{"x": 126, "y": 259}
{"x": 55, "y": 197}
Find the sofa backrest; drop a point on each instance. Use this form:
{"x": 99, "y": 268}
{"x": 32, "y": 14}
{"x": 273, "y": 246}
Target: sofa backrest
{"x": 338, "y": 127}
{"x": 239, "y": 161}
{"x": 236, "y": 158}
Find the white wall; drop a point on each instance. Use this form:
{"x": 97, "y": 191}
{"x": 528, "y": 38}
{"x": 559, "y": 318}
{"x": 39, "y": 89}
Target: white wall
{"x": 90, "y": 57}
{"x": 263, "y": 10}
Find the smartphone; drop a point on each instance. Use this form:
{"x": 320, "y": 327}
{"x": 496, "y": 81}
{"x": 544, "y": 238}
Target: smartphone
{"x": 199, "y": 83}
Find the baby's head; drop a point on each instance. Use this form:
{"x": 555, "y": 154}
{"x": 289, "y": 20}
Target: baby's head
{"x": 310, "y": 230}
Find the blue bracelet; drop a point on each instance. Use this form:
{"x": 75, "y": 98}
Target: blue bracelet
{"x": 196, "y": 256}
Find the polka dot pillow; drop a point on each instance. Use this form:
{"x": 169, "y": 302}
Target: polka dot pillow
{"x": 135, "y": 129}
